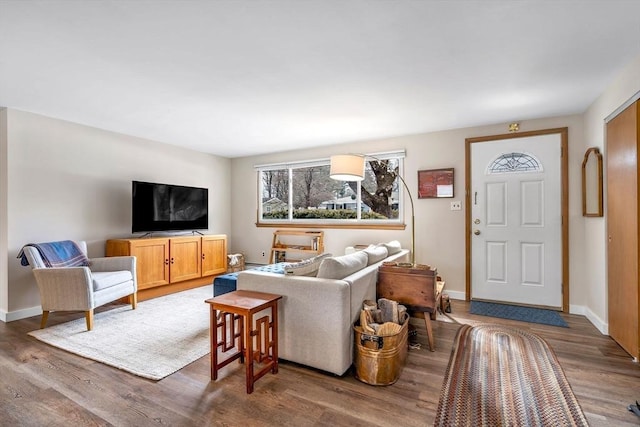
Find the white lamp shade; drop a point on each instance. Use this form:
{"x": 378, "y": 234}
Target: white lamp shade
{"x": 347, "y": 167}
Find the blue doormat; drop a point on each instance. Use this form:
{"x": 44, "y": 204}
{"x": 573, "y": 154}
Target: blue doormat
{"x": 515, "y": 312}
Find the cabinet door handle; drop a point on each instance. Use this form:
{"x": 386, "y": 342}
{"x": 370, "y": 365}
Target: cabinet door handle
{"x": 171, "y": 260}
{"x": 166, "y": 262}
{"x": 202, "y": 256}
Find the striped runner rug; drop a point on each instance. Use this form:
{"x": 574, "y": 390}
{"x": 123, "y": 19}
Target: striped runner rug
{"x": 502, "y": 376}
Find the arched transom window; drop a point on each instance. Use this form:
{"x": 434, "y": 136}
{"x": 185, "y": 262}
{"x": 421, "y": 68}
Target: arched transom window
{"x": 514, "y": 162}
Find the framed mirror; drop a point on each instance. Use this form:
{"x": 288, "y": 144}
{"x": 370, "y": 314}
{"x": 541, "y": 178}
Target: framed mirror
{"x": 592, "y": 183}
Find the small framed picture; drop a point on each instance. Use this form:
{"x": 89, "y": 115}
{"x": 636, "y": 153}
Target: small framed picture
{"x": 435, "y": 183}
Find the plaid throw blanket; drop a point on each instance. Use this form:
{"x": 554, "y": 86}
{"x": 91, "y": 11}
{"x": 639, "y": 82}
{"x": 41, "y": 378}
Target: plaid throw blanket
{"x": 57, "y": 254}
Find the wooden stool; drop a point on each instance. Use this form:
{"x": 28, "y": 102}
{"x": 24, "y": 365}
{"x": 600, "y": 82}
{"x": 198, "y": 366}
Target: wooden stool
{"x": 238, "y": 308}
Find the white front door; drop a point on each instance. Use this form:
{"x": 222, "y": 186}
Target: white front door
{"x": 516, "y": 240}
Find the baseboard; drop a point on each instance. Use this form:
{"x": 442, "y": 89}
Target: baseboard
{"x": 600, "y": 325}
{"x": 455, "y": 294}
{"x": 10, "y": 316}
{"x": 577, "y": 309}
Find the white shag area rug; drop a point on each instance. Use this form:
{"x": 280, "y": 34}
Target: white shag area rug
{"x": 161, "y": 336}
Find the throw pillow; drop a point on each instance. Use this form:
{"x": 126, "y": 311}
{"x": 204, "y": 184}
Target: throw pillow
{"x": 393, "y": 247}
{"x": 306, "y": 267}
{"x": 376, "y": 253}
{"x": 341, "y": 266}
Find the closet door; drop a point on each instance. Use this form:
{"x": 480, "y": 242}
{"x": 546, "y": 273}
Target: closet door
{"x": 622, "y": 228}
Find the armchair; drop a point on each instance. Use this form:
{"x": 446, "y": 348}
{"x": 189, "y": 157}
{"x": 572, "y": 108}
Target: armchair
{"x": 83, "y": 288}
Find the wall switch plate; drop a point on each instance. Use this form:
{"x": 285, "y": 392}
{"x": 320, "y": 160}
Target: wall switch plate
{"x": 456, "y": 205}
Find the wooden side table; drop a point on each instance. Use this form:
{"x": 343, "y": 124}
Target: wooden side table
{"x": 413, "y": 287}
{"x": 236, "y": 325}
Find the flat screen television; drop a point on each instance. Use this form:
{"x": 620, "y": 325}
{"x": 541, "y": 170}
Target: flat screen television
{"x": 164, "y": 207}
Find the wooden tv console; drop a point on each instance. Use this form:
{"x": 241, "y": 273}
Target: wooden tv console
{"x": 173, "y": 263}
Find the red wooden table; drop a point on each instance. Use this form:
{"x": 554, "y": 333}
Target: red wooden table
{"x": 233, "y": 328}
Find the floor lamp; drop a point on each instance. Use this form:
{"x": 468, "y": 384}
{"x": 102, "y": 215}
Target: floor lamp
{"x": 350, "y": 167}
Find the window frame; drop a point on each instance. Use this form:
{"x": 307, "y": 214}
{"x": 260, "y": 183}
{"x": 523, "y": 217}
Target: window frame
{"x": 388, "y": 224}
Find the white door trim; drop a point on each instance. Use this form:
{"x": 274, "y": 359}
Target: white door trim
{"x": 564, "y": 165}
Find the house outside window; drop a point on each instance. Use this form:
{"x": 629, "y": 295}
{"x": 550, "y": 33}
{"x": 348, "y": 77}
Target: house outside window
{"x": 303, "y": 193}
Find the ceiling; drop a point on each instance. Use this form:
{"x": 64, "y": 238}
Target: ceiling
{"x": 238, "y": 78}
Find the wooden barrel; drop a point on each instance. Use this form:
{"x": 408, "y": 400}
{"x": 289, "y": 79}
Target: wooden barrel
{"x": 379, "y": 359}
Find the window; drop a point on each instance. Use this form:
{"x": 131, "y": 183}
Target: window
{"x": 514, "y": 162}
{"x": 303, "y": 192}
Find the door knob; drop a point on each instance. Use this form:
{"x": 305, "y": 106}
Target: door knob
{"x": 476, "y": 221}
{"x": 476, "y": 232}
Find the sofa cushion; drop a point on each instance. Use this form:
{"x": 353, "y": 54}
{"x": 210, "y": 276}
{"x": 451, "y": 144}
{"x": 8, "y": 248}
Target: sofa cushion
{"x": 107, "y": 279}
{"x": 393, "y": 247}
{"x": 306, "y": 267}
{"x": 376, "y": 253}
{"x": 341, "y": 266}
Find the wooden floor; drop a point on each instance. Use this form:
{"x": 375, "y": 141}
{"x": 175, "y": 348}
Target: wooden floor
{"x": 41, "y": 385}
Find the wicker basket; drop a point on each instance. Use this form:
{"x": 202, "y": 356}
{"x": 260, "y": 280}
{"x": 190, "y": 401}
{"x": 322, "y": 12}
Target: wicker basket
{"x": 235, "y": 262}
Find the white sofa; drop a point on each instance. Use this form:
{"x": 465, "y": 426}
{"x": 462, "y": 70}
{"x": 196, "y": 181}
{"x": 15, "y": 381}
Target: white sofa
{"x": 316, "y": 314}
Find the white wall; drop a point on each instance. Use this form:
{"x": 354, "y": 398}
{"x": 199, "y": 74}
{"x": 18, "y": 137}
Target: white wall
{"x": 4, "y": 297}
{"x": 68, "y": 181}
{"x": 440, "y": 239}
{"x": 595, "y": 275}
